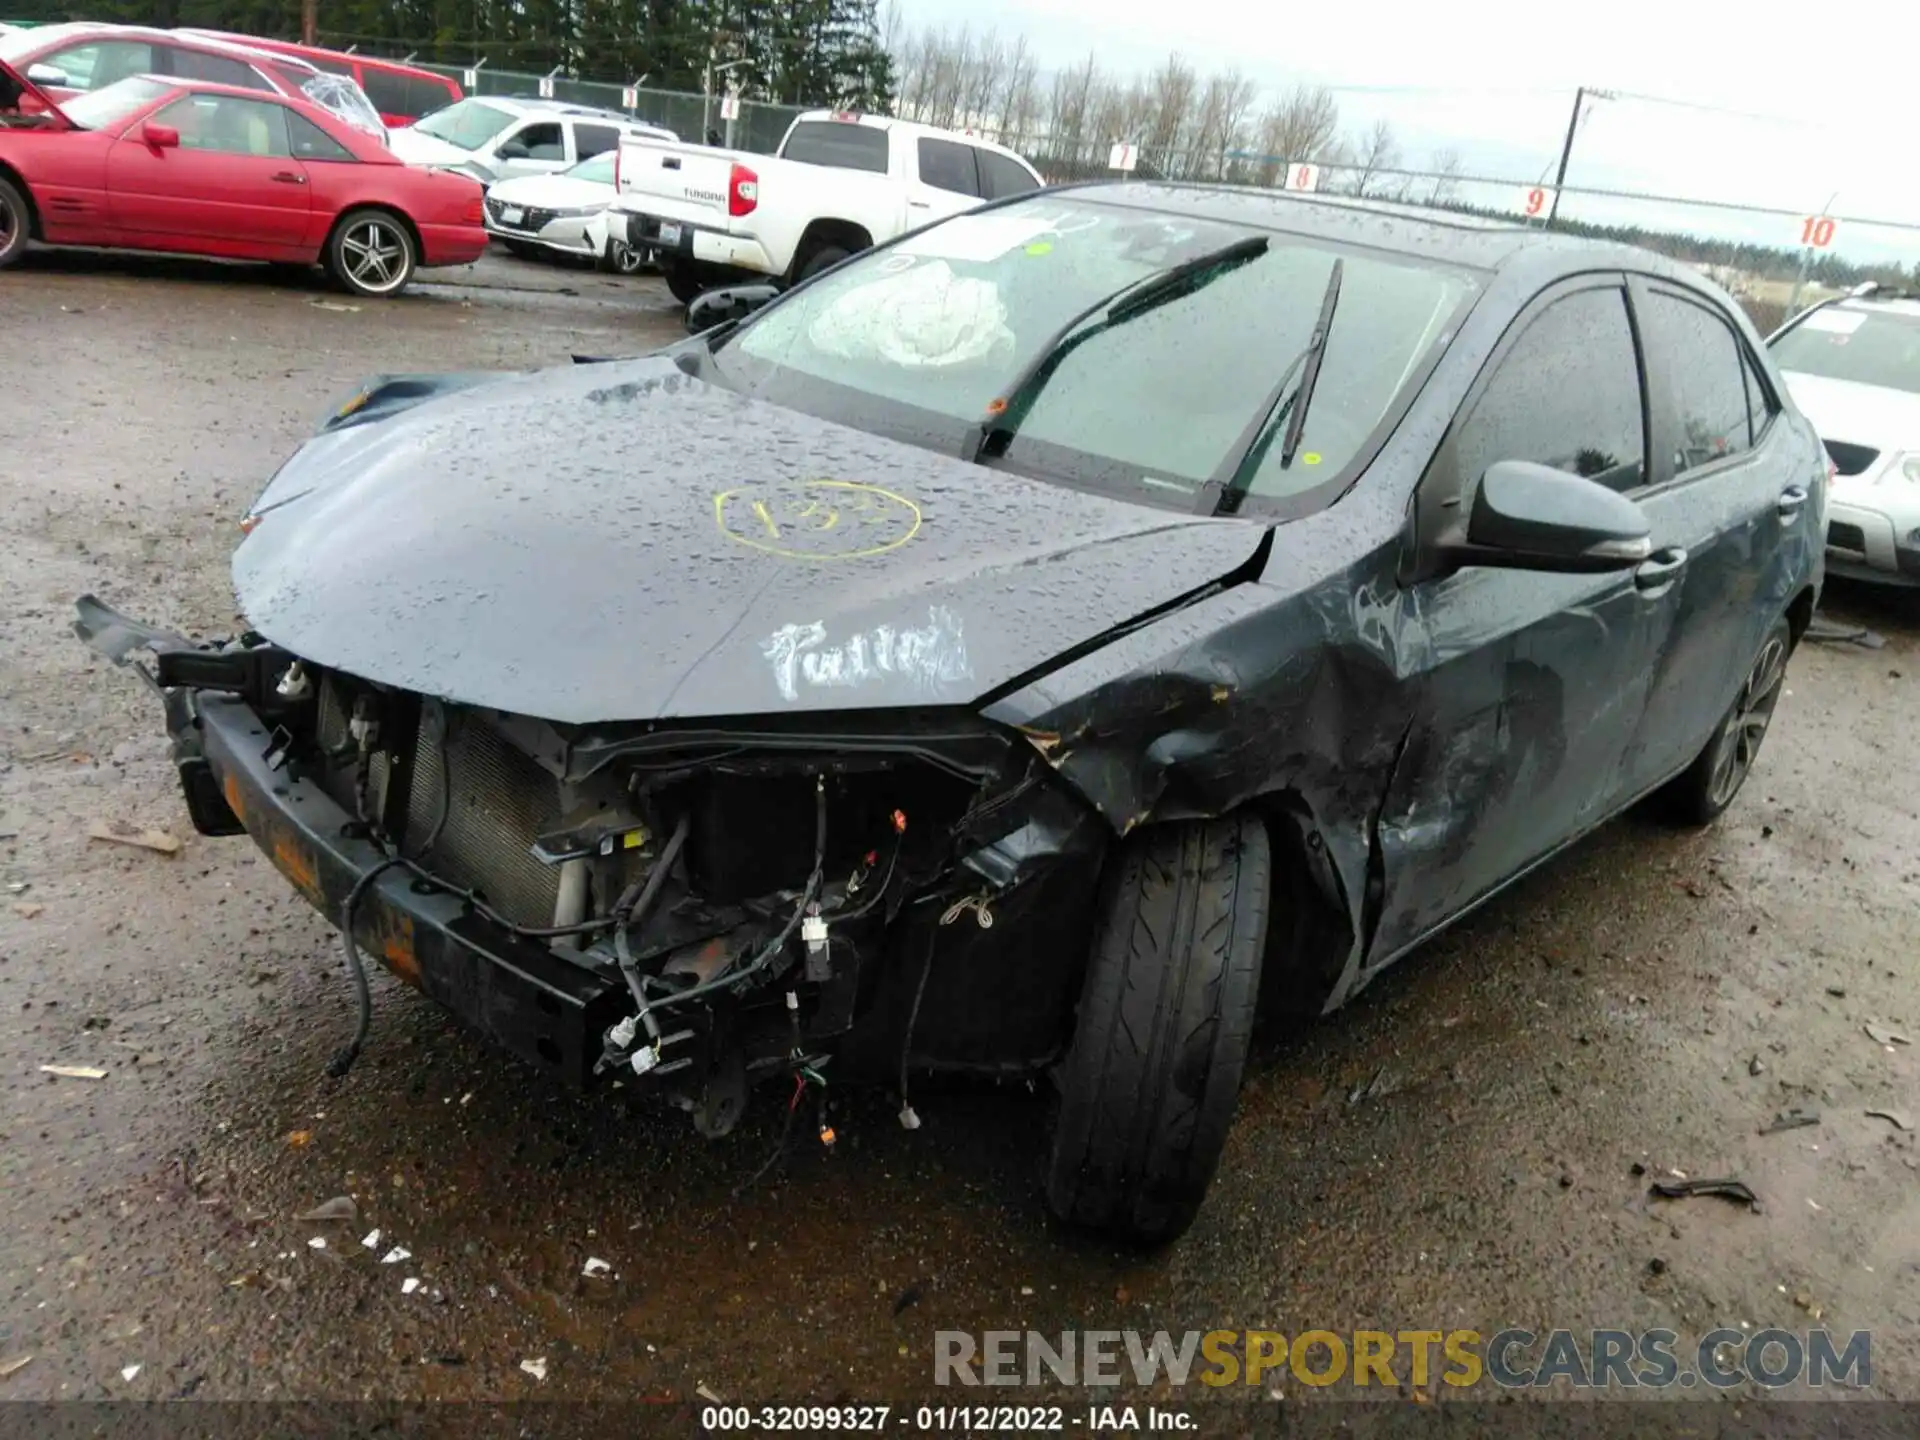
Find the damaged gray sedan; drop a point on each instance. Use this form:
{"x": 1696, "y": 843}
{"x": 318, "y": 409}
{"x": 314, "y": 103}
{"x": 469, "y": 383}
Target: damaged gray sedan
{"x": 1012, "y": 651}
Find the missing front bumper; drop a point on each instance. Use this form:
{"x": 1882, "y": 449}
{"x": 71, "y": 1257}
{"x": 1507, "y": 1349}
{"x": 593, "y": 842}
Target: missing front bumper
{"x": 517, "y": 994}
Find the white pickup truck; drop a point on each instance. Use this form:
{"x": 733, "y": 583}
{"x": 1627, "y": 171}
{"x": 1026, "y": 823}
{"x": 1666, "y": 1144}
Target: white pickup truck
{"x": 839, "y": 183}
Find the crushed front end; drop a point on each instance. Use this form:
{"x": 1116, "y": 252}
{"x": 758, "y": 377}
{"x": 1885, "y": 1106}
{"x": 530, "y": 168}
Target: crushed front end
{"x": 700, "y": 905}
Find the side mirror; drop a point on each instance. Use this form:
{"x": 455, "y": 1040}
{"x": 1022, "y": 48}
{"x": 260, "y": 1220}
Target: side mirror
{"x": 160, "y": 137}
{"x": 49, "y": 75}
{"x": 731, "y": 302}
{"x": 1525, "y": 516}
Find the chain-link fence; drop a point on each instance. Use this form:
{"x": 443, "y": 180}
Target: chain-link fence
{"x": 758, "y": 127}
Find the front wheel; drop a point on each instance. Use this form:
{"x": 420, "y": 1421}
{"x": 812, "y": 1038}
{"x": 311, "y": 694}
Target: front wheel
{"x": 1149, "y": 1087}
{"x": 16, "y": 224}
{"x": 1707, "y": 787}
{"x": 683, "y": 282}
{"x": 372, "y": 253}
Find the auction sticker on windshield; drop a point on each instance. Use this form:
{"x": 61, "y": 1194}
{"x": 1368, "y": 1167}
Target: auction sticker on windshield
{"x": 977, "y": 238}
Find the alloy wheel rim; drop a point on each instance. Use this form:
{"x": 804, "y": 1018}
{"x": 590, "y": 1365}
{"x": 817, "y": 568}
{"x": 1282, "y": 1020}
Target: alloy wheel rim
{"x": 626, "y": 261}
{"x": 1746, "y": 724}
{"x": 374, "y": 254}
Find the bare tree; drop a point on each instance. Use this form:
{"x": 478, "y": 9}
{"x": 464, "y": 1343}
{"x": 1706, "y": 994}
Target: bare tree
{"x": 1446, "y": 176}
{"x": 1019, "y": 98}
{"x": 1299, "y": 125}
{"x": 1171, "y": 90}
{"x": 1379, "y": 150}
{"x": 1070, "y": 114}
{"x": 983, "y": 80}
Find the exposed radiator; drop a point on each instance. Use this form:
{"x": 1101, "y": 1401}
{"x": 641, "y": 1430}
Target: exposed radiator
{"x": 497, "y": 800}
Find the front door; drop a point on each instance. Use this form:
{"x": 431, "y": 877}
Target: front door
{"x": 538, "y": 147}
{"x": 231, "y": 187}
{"x": 1535, "y": 682}
{"x": 1730, "y": 492}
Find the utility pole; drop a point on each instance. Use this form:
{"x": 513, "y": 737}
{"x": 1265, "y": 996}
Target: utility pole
{"x": 1566, "y": 150}
{"x": 309, "y": 21}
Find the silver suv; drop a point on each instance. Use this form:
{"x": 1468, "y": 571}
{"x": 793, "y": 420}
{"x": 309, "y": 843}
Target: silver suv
{"x": 493, "y": 138}
{"x": 1853, "y": 365}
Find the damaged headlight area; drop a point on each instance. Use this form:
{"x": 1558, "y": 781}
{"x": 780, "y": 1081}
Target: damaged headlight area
{"x": 698, "y": 906}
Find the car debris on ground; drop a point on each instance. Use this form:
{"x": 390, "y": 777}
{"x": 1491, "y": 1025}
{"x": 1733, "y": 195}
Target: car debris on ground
{"x": 536, "y": 1368}
{"x": 75, "y": 1072}
{"x": 1900, "y": 1119}
{"x": 1735, "y": 1190}
{"x": 340, "y": 1207}
{"x": 119, "y": 833}
{"x": 1793, "y": 1119}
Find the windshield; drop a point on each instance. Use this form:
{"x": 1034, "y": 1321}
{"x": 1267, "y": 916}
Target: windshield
{"x": 599, "y": 169}
{"x": 468, "y": 124}
{"x": 1868, "y": 347}
{"x": 343, "y": 97}
{"x": 937, "y": 326}
{"x": 102, "y": 109}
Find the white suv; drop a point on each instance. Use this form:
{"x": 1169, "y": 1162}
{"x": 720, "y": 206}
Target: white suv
{"x": 493, "y": 138}
{"x": 1853, "y": 365}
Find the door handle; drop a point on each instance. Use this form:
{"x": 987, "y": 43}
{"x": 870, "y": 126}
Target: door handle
{"x": 1792, "y": 499}
{"x": 919, "y": 204}
{"x": 290, "y": 177}
{"x": 1660, "y": 569}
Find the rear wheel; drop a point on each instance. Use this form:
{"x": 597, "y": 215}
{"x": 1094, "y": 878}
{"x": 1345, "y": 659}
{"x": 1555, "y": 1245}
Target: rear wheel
{"x": 1149, "y": 1088}
{"x": 372, "y": 253}
{"x": 16, "y": 224}
{"x": 825, "y": 258}
{"x": 627, "y": 261}
{"x": 1703, "y": 793}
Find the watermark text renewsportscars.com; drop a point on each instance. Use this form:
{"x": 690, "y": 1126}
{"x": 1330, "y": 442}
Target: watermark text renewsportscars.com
{"x": 1508, "y": 1359}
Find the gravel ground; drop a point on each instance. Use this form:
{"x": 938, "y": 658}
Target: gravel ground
{"x": 1648, "y": 1001}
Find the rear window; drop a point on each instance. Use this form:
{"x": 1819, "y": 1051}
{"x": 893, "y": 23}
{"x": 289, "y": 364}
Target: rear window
{"x": 389, "y": 92}
{"x": 1867, "y": 347}
{"x": 838, "y": 144}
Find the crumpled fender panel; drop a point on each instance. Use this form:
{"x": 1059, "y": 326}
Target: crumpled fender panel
{"x": 1288, "y": 693}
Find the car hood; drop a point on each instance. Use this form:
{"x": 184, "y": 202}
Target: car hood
{"x": 1875, "y": 415}
{"x": 418, "y": 148}
{"x": 551, "y": 192}
{"x": 621, "y": 541}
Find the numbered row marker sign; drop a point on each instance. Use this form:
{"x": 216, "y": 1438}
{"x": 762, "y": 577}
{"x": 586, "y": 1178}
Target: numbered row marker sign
{"x": 629, "y": 99}
{"x": 1817, "y": 231}
{"x": 470, "y": 79}
{"x": 730, "y": 107}
{"x": 546, "y": 87}
{"x": 1536, "y": 200}
{"x": 1123, "y": 157}
{"x": 1303, "y": 177}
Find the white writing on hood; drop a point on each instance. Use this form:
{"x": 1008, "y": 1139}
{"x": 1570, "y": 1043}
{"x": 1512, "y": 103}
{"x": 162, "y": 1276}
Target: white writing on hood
{"x": 926, "y": 657}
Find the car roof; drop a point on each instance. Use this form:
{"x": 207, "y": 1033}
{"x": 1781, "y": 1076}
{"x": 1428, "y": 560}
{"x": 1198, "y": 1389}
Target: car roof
{"x": 534, "y": 105}
{"x": 910, "y": 127}
{"x": 1460, "y": 239}
{"x": 295, "y": 50}
{"x": 185, "y": 39}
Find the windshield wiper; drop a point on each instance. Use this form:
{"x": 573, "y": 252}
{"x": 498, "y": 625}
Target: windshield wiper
{"x": 1004, "y": 416}
{"x": 1228, "y": 485}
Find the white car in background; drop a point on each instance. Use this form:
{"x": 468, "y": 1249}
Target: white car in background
{"x": 1853, "y": 365}
{"x": 540, "y": 216}
{"x": 495, "y": 138}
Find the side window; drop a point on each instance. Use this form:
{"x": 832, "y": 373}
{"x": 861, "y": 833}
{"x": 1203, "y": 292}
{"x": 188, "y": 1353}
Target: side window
{"x": 228, "y": 125}
{"x": 310, "y": 142}
{"x": 1704, "y": 366}
{"x": 387, "y": 90}
{"x": 592, "y": 140}
{"x": 1566, "y": 395}
{"x": 947, "y": 166}
{"x": 536, "y": 142}
{"x": 1001, "y": 177}
{"x": 220, "y": 69}
{"x": 101, "y": 63}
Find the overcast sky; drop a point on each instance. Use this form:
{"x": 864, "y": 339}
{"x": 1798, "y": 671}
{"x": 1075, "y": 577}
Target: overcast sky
{"x": 1826, "y": 98}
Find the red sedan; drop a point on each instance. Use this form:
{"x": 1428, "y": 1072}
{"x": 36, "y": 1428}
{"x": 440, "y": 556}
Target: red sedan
{"x": 190, "y": 168}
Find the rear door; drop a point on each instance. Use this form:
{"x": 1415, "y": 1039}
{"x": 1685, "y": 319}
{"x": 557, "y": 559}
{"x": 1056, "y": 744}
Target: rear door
{"x": 1731, "y": 491}
{"x": 1536, "y": 682}
{"x": 231, "y": 187}
{"x": 946, "y": 180}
